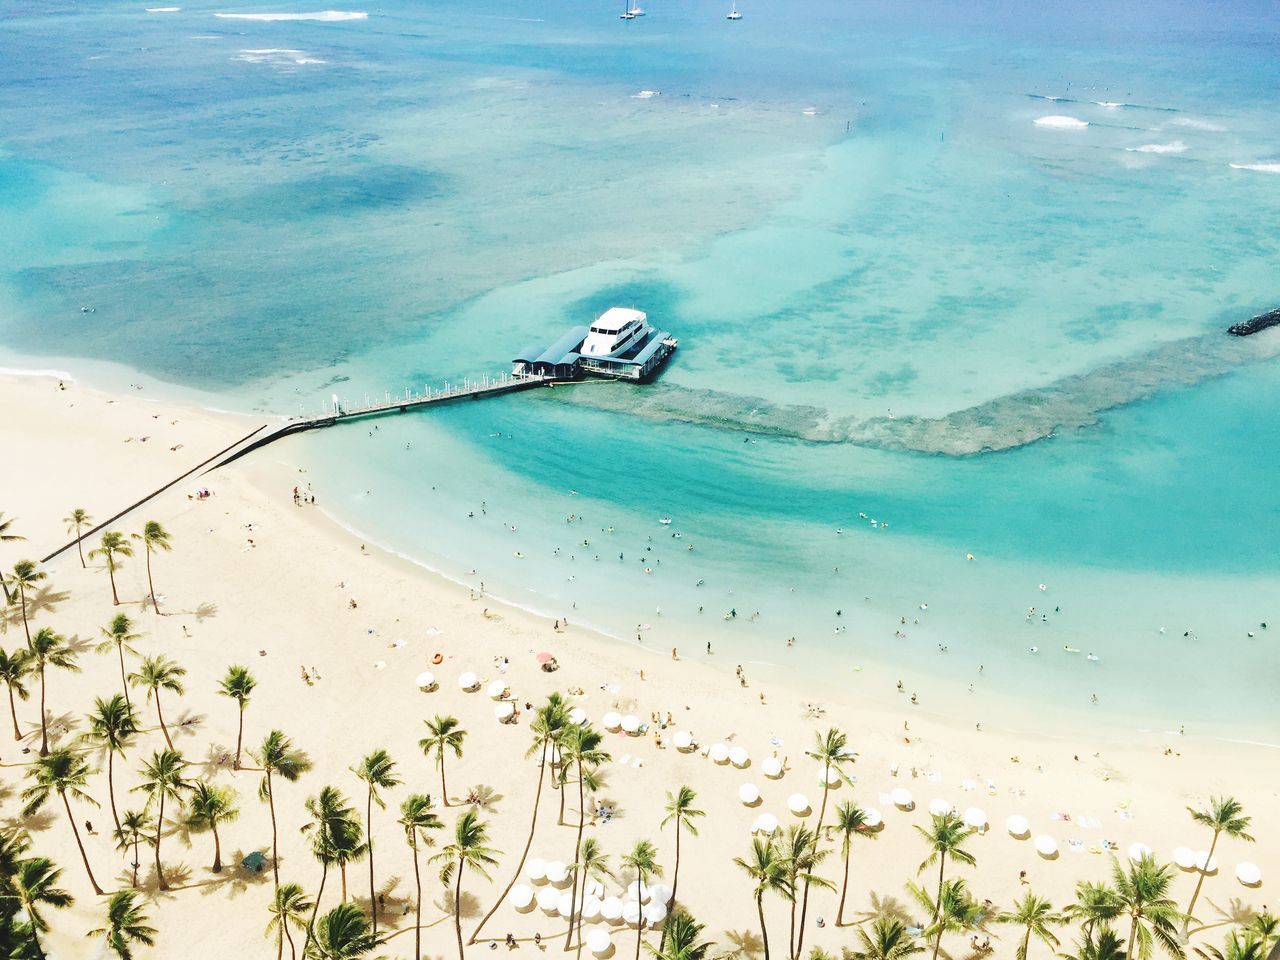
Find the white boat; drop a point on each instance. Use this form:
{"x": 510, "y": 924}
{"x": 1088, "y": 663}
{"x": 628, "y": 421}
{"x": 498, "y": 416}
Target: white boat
{"x": 734, "y": 14}
{"x": 627, "y": 12}
{"x": 615, "y": 332}
{"x": 636, "y": 11}
{"x": 665, "y": 521}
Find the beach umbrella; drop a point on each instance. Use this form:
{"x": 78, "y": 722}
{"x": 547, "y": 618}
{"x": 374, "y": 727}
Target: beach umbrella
{"x": 591, "y": 908}
{"x": 1046, "y": 846}
{"x": 577, "y": 716}
{"x": 872, "y": 818}
{"x": 631, "y": 913}
{"x": 425, "y": 680}
{"x": 611, "y": 909}
{"x": 599, "y": 942}
{"x": 939, "y": 807}
{"x": 683, "y": 740}
{"x": 829, "y": 778}
{"x": 1184, "y": 857}
{"x": 798, "y": 804}
{"x": 557, "y": 872}
{"x": 497, "y": 689}
{"x": 549, "y": 900}
{"x": 630, "y": 723}
{"x": 1205, "y": 863}
{"x": 772, "y": 767}
{"x": 901, "y": 797}
{"x": 1138, "y": 850}
{"x": 536, "y": 870}
{"x": 739, "y": 757}
{"x": 565, "y": 905}
{"x": 468, "y": 681}
{"x": 504, "y": 710}
{"x": 766, "y": 823}
{"x": 551, "y": 753}
{"x": 1017, "y": 825}
{"x": 612, "y": 720}
{"x": 654, "y": 914}
{"x": 594, "y": 888}
{"x": 975, "y": 817}
{"x": 1248, "y": 874}
{"x": 659, "y": 893}
{"x": 748, "y": 794}
{"x": 631, "y": 891}
{"x": 719, "y": 753}
{"x": 544, "y": 658}
{"x": 521, "y": 897}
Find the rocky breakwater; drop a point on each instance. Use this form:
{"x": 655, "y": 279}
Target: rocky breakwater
{"x": 1249, "y": 327}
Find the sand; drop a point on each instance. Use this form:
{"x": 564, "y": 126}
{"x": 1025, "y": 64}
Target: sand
{"x": 256, "y": 580}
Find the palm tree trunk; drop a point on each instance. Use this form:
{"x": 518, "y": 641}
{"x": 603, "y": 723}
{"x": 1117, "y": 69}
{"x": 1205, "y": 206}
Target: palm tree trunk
{"x": 937, "y": 944}
{"x": 111, "y": 786}
{"x": 844, "y": 886}
{"x": 83, "y": 856}
{"x": 13, "y": 712}
{"x": 342, "y": 871}
{"x": 275, "y": 851}
{"x": 937, "y": 903}
{"x": 217, "y": 848}
{"x": 417, "y": 904}
{"x": 444, "y": 792}
{"x": 315, "y": 907}
{"x": 293, "y": 950}
{"x": 368, "y": 819}
{"x": 159, "y": 827}
{"x": 457, "y": 910}
{"x": 280, "y": 937}
{"x": 1026, "y": 943}
{"x": 764, "y": 931}
{"x": 791, "y": 932}
{"x": 239, "y": 737}
{"x": 136, "y": 838}
{"x": 22, "y": 606}
{"x": 1133, "y": 936}
{"x": 533, "y": 826}
{"x": 577, "y": 853}
{"x": 44, "y": 727}
{"x": 151, "y": 586}
{"x": 35, "y": 942}
{"x": 80, "y": 547}
{"x": 1186, "y": 922}
{"x": 817, "y": 836}
{"x": 111, "y": 572}
{"x": 160, "y": 714}
{"x": 640, "y": 917}
{"x": 123, "y": 682}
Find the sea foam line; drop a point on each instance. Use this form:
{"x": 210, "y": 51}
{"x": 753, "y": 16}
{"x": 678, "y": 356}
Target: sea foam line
{"x": 328, "y": 16}
{"x": 1259, "y": 167}
{"x": 1177, "y": 146}
{"x": 1061, "y": 123}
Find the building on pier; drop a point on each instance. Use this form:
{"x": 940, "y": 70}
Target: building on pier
{"x": 619, "y": 345}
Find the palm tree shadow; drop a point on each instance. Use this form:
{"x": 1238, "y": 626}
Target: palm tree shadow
{"x": 483, "y": 797}
{"x": 46, "y": 599}
{"x": 187, "y": 723}
{"x": 78, "y": 644}
{"x": 205, "y": 611}
{"x": 216, "y": 759}
{"x": 37, "y": 822}
{"x": 470, "y": 904}
{"x": 1237, "y": 912}
{"x": 178, "y": 877}
{"x": 890, "y": 906}
{"x": 746, "y": 942}
{"x": 59, "y": 727}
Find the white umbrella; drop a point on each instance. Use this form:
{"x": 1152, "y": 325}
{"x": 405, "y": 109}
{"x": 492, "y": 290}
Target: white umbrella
{"x": 611, "y": 909}
{"x": 497, "y": 689}
{"x": 536, "y": 869}
{"x": 1046, "y": 846}
{"x": 468, "y": 681}
{"x": 683, "y": 740}
{"x": 521, "y": 897}
{"x": 425, "y": 680}
{"x": 939, "y": 807}
{"x": 612, "y": 720}
{"x": 630, "y": 723}
{"x": 1184, "y": 857}
{"x": 1248, "y": 874}
{"x": 577, "y": 716}
{"x": 1205, "y": 863}
{"x": 872, "y": 818}
{"x": 975, "y": 817}
{"x": 748, "y": 793}
{"x": 599, "y": 942}
{"x": 548, "y": 900}
{"x": 719, "y": 753}
{"x": 594, "y": 888}
{"x": 591, "y": 908}
{"x": 1138, "y": 850}
{"x": 901, "y": 797}
{"x": 631, "y": 913}
{"x": 766, "y": 823}
{"x": 504, "y": 709}
{"x": 829, "y": 778}
{"x": 566, "y": 905}
{"x": 798, "y": 804}
{"x": 631, "y": 891}
{"x": 551, "y": 753}
{"x": 1017, "y": 825}
{"x": 659, "y": 893}
{"x": 654, "y": 914}
{"x": 772, "y": 767}
{"x": 557, "y": 872}
{"x": 739, "y": 757}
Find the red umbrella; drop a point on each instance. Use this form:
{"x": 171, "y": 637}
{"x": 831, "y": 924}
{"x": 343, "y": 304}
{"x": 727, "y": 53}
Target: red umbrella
{"x": 545, "y": 658}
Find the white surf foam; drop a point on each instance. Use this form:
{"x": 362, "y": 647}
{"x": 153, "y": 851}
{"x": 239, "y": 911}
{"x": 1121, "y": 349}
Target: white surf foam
{"x": 1195, "y": 124}
{"x": 1177, "y": 146}
{"x": 163, "y": 9}
{"x": 1061, "y": 123}
{"x": 277, "y": 56}
{"x": 1259, "y": 167}
{"x": 1110, "y": 104}
{"x": 328, "y": 16}
{"x": 645, "y": 94}
{"x": 52, "y": 374}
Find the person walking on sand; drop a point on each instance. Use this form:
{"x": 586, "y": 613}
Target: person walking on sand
{"x": 674, "y": 654}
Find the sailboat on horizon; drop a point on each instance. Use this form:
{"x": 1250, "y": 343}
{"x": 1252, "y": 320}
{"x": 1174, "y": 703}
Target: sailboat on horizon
{"x": 733, "y": 13}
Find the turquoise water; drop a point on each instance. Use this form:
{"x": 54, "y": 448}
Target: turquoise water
{"x": 846, "y": 208}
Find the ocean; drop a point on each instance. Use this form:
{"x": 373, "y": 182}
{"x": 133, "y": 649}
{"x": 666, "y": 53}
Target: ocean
{"x": 949, "y": 280}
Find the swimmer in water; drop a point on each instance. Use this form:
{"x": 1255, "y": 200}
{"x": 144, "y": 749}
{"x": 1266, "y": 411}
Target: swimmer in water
{"x": 1035, "y": 649}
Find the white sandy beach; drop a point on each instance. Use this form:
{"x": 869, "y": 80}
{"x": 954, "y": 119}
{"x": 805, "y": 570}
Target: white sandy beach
{"x": 255, "y": 580}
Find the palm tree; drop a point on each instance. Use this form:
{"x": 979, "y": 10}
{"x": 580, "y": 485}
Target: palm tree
{"x": 112, "y": 726}
{"x": 1266, "y": 927}
{"x": 680, "y": 939}
{"x": 1224, "y": 815}
{"x": 377, "y": 770}
{"x": 153, "y": 537}
{"x": 802, "y": 856}
{"x": 118, "y": 634}
{"x": 64, "y": 773}
{"x": 1095, "y": 903}
{"x": 469, "y": 849}
{"x": 336, "y": 838}
{"x": 159, "y": 673}
{"x": 681, "y": 812}
{"x": 126, "y": 924}
{"x": 342, "y": 934}
{"x": 953, "y": 911}
{"x": 1142, "y": 894}
{"x": 162, "y": 779}
{"x": 209, "y": 805}
{"x": 7, "y": 537}
{"x": 14, "y": 667}
{"x": 593, "y": 863}
{"x": 238, "y": 684}
{"x": 443, "y": 733}
{"x": 1245, "y": 945}
{"x": 26, "y": 573}
{"x": 851, "y": 821}
{"x": 49, "y": 649}
{"x": 76, "y": 521}
{"x": 946, "y": 836}
{"x": 548, "y": 726}
{"x": 1101, "y": 943}
{"x": 889, "y": 939}
{"x": 277, "y": 756}
{"x": 643, "y": 859}
{"x": 132, "y": 832}
{"x": 112, "y": 545}
{"x": 416, "y": 817}
{"x": 1035, "y": 915}
{"x": 35, "y": 886}
{"x": 580, "y": 750}
{"x": 768, "y": 869}
{"x": 290, "y": 906}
